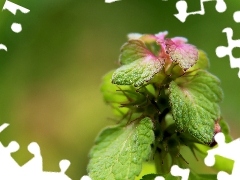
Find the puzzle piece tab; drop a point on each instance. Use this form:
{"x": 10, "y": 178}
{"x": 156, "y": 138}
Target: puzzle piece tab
{"x": 159, "y": 178}
{"x": 85, "y": 178}
{"x": 177, "y": 171}
{"x": 33, "y": 169}
{"x": 236, "y": 16}
{"x": 182, "y": 9}
{"x": 228, "y": 150}
{"x": 2, "y": 46}
{"x": 222, "y": 51}
{"x": 111, "y": 1}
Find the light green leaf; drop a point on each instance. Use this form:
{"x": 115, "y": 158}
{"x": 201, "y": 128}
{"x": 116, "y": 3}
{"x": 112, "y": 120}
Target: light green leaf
{"x": 202, "y": 62}
{"x": 133, "y": 50}
{"x": 225, "y": 130}
{"x": 139, "y": 64}
{"x": 192, "y": 176}
{"x": 113, "y": 95}
{"x": 195, "y": 104}
{"x": 122, "y": 97}
{"x": 118, "y": 152}
{"x": 221, "y": 163}
{"x": 166, "y": 177}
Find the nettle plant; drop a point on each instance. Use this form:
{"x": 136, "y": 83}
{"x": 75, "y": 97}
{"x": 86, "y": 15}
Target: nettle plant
{"x": 164, "y": 99}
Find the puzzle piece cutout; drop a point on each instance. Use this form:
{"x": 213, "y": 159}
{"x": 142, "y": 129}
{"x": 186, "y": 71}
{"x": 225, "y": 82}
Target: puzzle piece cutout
{"x": 236, "y": 16}
{"x": 177, "y": 171}
{"x": 85, "y": 178}
{"x": 228, "y": 150}
{"x": 33, "y": 169}
{"x": 16, "y": 27}
{"x": 111, "y": 1}
{"x": 222, "y": 51}
{"x": 12, "y": 7}
{"x": 159, "y": 178}
{"x": 3, "y": 47}
{"x": 182, "y": 9}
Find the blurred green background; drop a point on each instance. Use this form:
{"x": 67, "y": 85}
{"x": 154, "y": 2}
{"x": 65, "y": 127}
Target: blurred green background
{"x": 51, "y": 75}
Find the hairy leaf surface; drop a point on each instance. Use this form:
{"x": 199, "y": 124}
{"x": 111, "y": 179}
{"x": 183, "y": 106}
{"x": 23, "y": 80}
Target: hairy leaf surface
{"x": 186, "y": 55}
{"x": 139, "y": 65}
{"x": 119, "y": 151}
{"x": 202, "y": 62}
{"x": 195, "y": 105}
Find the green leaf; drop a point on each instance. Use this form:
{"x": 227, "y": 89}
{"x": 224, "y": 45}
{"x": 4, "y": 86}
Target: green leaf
{"x": 139, "y": 64}
{"x": 119, "y": 151}
{"x": 149, "y": 177}
{"x": 153, "y": 176}
{"x": 186, "y": 55}
{"x": 125, "y": 97}
{"x": 225, "y": 130}
{"x": 202, "y": 62}
{"x": 221, "y": 163}
{"x": 133, "y": 50}
{"x": 113, "y": 95}
{"x": 192, "y": 176}
{"x": 195, "y": 104}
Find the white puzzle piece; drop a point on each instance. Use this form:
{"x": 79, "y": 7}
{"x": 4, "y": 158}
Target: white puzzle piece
{"x": 228, "y": 150}
{"x": 31, "y": 170}
{"x": 182, "y": 7}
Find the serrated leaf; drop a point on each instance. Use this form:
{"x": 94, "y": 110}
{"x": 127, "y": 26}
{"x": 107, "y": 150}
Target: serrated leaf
{"x": 186, "y": 55}
{"x": 132, "y": 50}
{"x": 202, "y": 62}
{"x": 139, "y": 64}
{"x": 195, "y": 105}
{"x": 114, "y": 95}
{"x": 118, "y": 152}
{"x": 121, "y": 97}
{"x": 221, "y": 163}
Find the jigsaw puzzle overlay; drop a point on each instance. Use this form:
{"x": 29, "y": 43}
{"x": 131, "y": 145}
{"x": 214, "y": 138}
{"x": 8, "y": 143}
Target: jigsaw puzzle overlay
{"x": 33, "y": 169}
{"x": 111, "y": 1}
{"x": 228, "y": 150}
{"x": 16, "y": 27}
{"x": 177, "y": 171}
{"x": 182, "y": 9}
{"x": 223, "y": 150}
{"x": 222, "y": 51}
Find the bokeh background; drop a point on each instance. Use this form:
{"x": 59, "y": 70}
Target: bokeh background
{"x": 50, "y": 77}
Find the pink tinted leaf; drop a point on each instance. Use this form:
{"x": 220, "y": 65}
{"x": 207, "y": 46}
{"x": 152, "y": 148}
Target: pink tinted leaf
{"x": 139, "y": 65}
{"x": 186, "y": 55}
{"x": 134, "y": 50}
{"x": 161, "y": 36}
